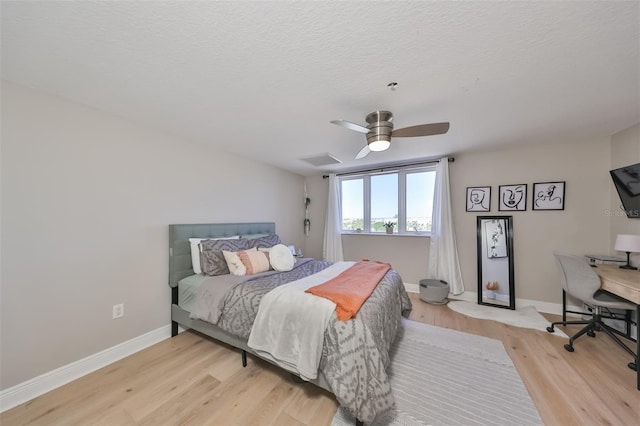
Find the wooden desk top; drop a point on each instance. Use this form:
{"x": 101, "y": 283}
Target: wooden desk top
{"x": 622, "y": 282}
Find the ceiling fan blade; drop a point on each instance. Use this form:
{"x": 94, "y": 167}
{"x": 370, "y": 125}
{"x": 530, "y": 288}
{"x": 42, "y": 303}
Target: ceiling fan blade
{"x": 363, "y": 152}
{"x": 422, "y": 130}
{"x": 351, "y": 126}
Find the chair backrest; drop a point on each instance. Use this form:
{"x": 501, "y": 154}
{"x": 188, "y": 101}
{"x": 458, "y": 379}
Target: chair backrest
{"x": 578, "y": 279}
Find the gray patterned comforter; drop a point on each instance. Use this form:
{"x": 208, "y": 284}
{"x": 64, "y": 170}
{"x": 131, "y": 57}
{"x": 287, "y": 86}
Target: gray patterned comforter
{"x": 355, "y": 353}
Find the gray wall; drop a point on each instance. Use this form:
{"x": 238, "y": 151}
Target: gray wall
{"x": 86, "y": 200}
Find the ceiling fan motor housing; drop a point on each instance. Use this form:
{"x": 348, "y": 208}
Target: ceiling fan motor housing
{"x": 380, "y": 128}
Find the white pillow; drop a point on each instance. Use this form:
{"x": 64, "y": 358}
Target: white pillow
{"x": 281, "y": 258}
{"x": 196, "y": 250}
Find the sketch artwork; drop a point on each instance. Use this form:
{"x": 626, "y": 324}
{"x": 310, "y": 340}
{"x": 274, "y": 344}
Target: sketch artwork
{"x": 548, "y": 196}
{"x": 495, "y": 237}
{"x": 479, "y": 199}
{"x": 513, "y": 197}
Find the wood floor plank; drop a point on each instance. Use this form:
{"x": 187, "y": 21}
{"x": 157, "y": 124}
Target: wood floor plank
{"x": 146, "y": 397}
{"x": 119, "y": 417}
{"x": 239, "y": 406}
{"x": 144, "y": 380}
{"x": 286, "y": 420}
{"x": 229, "y": 364}
{"x": 547, "y": 392}
{"x": 191, "y": 379}
{"x": 267, "y": 410}
{"x": 312, "y": 402}
{"x": 186, "y": 406}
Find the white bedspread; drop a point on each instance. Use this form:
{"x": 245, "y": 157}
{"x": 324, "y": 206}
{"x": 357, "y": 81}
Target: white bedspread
{"x": 290, "y": 325}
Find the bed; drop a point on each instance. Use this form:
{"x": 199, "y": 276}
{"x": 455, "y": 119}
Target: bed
{"x": 355, "y": 353}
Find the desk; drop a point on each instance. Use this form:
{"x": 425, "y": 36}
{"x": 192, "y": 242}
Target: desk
{"x": 600, "y": 259}
{"x": 626, "y": 284}
{"x": 622, "y": 282}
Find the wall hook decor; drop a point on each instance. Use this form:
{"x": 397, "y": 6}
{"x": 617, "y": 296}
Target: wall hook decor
{"x": 307, "y": 221}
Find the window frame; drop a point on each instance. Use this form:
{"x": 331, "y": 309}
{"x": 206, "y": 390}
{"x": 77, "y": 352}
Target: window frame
{"x": 402, "y": 173}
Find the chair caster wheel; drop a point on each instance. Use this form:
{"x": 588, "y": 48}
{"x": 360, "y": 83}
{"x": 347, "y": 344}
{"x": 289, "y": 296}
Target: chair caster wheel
{"x": 550, "y": 329}
{"x": 633, "y": 366}
{"x": 591, "y": 334}
{"x": 568, "y": 347}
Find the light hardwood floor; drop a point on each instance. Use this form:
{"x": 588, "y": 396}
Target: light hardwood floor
{"x": 190, "y": 379}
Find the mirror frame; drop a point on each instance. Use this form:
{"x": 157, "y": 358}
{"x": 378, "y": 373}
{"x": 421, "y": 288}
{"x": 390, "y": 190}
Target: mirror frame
{"x": 508, "y": 251}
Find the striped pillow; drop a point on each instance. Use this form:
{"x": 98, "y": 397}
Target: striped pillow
{"x": 254, "y": 261}
{"x": 234, "y": 263}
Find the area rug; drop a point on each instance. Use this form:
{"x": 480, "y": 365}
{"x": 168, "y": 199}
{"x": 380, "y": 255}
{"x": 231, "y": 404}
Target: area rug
{"x": 526, "y": 317}
{"x": 446, "y": 377}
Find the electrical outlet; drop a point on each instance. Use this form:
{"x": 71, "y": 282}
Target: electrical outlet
{"x": 118, "y": 311}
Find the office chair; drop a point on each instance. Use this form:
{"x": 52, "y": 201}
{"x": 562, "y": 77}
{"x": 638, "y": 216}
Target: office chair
{"x": 581, "y": 282}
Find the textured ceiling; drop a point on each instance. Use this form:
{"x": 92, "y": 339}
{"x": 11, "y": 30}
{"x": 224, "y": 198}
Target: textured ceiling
{"x": 263, "y": 79}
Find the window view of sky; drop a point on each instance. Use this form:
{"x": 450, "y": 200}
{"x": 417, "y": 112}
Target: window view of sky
{"x": 384, "y": 196}
{"x": 420, "y": 194}
{"x": 352, "y": 198}
{"x": 384, "y": 201}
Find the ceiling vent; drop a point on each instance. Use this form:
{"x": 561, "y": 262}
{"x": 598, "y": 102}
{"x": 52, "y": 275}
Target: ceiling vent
{"x": 321, "y": 159}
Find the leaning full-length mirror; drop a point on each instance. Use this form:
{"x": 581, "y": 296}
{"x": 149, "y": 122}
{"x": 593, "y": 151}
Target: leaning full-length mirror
{"x": 495, "y": 261}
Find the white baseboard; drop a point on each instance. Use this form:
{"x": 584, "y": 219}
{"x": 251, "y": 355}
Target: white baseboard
{"x": 44, "y": 383}
{"x": 472, "y": 296}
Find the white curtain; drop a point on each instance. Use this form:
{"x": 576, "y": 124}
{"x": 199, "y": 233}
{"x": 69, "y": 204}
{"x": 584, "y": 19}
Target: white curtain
{"x": 332, "y": 249}
{"x": 443, "y": 252}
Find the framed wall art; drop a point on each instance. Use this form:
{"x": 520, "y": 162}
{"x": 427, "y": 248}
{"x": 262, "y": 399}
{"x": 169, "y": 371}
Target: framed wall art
{"x": 512, "y": 197}
{"x": 479, "y": 199}
{"x": 548, "y": 196}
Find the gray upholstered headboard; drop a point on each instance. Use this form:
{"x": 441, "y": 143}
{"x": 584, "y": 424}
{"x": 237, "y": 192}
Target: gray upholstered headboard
{"x": 180, "y": 249}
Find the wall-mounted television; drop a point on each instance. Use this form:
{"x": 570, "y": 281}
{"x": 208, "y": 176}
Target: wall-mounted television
{"x": 627, "y": 183}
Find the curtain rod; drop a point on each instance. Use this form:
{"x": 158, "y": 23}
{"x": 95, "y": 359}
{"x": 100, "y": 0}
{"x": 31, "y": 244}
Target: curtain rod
{"x": 390, "y": 167}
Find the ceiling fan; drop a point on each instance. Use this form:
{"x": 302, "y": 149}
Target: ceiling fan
{"x": 379, "y": 131}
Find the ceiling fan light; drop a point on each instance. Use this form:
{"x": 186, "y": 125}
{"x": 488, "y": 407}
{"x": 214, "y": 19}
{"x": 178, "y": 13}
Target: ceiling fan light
{"x": 379, "y": 145}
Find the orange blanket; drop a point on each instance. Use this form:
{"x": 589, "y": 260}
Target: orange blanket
{"x": 352, "y": 288}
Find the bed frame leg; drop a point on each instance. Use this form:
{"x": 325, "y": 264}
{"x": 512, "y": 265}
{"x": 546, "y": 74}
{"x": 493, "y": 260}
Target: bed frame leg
{"x": 174, "y": 301}
{"x": 244, "y": 358}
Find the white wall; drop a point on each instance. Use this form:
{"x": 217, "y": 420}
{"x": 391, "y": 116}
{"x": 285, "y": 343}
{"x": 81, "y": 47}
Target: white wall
{"x": 318, "y": 190}
{"x": 86, "y": 200}
{"x": 407, "y": 254}
{"x": 583, "y": 227}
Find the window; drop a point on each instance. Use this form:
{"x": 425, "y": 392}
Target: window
{"x": 384, "y": 196}
{"x": 404, "y": 197}
{"x": 352, "y": 194}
